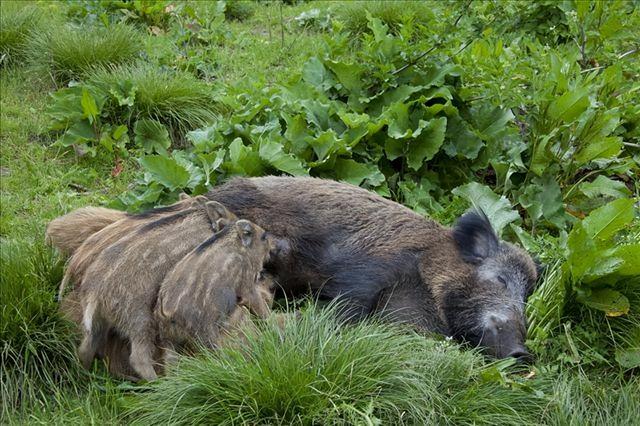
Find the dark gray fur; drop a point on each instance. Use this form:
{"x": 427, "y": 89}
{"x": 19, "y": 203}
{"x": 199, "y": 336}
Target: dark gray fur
{"x": 382, "y": 257}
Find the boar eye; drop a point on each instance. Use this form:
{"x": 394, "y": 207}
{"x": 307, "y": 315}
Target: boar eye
{"x": 502, "y": 281}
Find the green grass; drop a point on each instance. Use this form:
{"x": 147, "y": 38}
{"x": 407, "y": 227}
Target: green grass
{"x": 174, "y": 98}
{"x": 579, "y": 400}
{"x": 392, "y": 13}
{"x": 67, "y": 52}
{"x": 317, "y": 373}
{"x": 17, "y": 21}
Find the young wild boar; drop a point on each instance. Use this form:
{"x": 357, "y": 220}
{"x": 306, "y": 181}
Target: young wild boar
{"x": 384, "y": 258}
{"x": 203, "y": 290}
{"x": 119, "y": 288}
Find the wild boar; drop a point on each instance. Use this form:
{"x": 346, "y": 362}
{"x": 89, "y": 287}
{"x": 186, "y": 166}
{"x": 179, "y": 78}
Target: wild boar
{"x": 200, "y": 294}
{"x": 119, "y": 288}
{"x": 381, "y": 257}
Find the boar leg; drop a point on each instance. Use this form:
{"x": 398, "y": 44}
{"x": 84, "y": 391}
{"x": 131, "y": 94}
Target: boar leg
{"x": 95, "y": 335}
{"x": 256, "y": 304}
{"x": 169, "y": 354}
{"x": 141, "y": 358}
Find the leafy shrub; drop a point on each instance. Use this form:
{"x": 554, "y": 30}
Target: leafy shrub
{"x": 139, "y": 103}
{"x": 320, "y": 371}
{"x": 374, "y": 120}
{"x": 577, "y": 127}
{"x": 17, "y": 21}
{"x": 152, "y": 13}
{"x": 69, "y": 52}
{"x": 315, "y": 18}
{"x": 602, "y": 273}
{"x": 354, "y": 15}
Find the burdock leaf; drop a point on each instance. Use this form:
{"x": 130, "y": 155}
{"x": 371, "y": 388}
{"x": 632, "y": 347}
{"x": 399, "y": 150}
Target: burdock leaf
{"x": 611, "y": 302}
{"x": 604, "y": 222}
{"x": 271, "y": 152}
{"x": 152, "y": 136}
{"x": 497, "y": 208}
{"x": 166, "y": 171}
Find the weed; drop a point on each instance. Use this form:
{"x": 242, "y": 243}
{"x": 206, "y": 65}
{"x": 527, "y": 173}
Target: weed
{"x": 238, "y": 10}
{"x": 17, "y": 21}
{"x": 68, "y": 52}
{"x": 173, "y": 98}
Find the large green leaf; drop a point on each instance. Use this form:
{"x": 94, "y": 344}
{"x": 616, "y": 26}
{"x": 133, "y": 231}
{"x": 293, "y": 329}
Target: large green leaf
{"x": 89, "y": 106}
{"x": 348, "y": 74}
{"x": 152, "y": 136}
{"x": 166, "y": 171}
{"x": 243, "y": 159}
{"x": 582, "y": 252}
{"x": 543, "y": 198}
{"x": 611, "y": 302}
{"x": 271, "y": 152}
{"x": 570, "y": 105}
{"x": 491, "y": 122}
{"x": 461, "y": 141}
{"x": 630, "y": 256}
{"x": 427, "y": 142}
{"x": 355, "y": 173}
{"x": 81, "y": 131}
{"x": 604, "y": 222}
{"x": 399, "y": 125}
{"x": 604, "y": 186}
{"x": 324, "y": 144}
{"x": 497, "y": 208}
{"x": 314, "y": 73}
{"x": 600, "y": 148}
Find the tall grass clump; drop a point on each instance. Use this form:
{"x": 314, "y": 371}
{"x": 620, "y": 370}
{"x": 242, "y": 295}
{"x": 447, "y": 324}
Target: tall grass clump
{"x": 17, "y": 21}
{"x": 174, "y": 98}
{"x": 579, "y": 400}
{"x": 354, "y": 15}
{"x": 67, "y": 52}
{"x": 319, "y": 371}
{"x": 238, "y": 10}
{"x": 37, "y": 353}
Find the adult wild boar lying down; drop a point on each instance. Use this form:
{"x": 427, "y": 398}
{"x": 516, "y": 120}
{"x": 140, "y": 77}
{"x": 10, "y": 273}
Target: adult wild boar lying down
{"x": 380, "y": 257}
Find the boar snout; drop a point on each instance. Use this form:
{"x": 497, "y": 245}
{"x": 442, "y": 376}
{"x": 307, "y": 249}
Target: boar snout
{"x": 503, "y": 337}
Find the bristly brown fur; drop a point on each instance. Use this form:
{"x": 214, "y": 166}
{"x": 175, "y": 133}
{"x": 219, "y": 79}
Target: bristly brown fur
{"x": 203, "y": 291}
{"x": 67, "y": 233}
{"x": 120, "y": 270}
{"x": 380, "y": 256}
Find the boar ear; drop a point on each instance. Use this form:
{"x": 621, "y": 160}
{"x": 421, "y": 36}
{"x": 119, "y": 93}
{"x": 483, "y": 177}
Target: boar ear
{"x": 183, "y": 196}
{"x": 216, "y": 211}
{"x": 245, "y": 231}
{"x": 475, "y": 238}
{"x": 221, "y": 223}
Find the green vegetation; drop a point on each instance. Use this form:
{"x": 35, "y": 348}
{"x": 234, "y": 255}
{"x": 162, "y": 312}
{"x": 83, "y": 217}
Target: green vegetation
{"x": 67, "y": 52}
{"x": 17, "y": 21}
{"x": 526, "y": 109}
